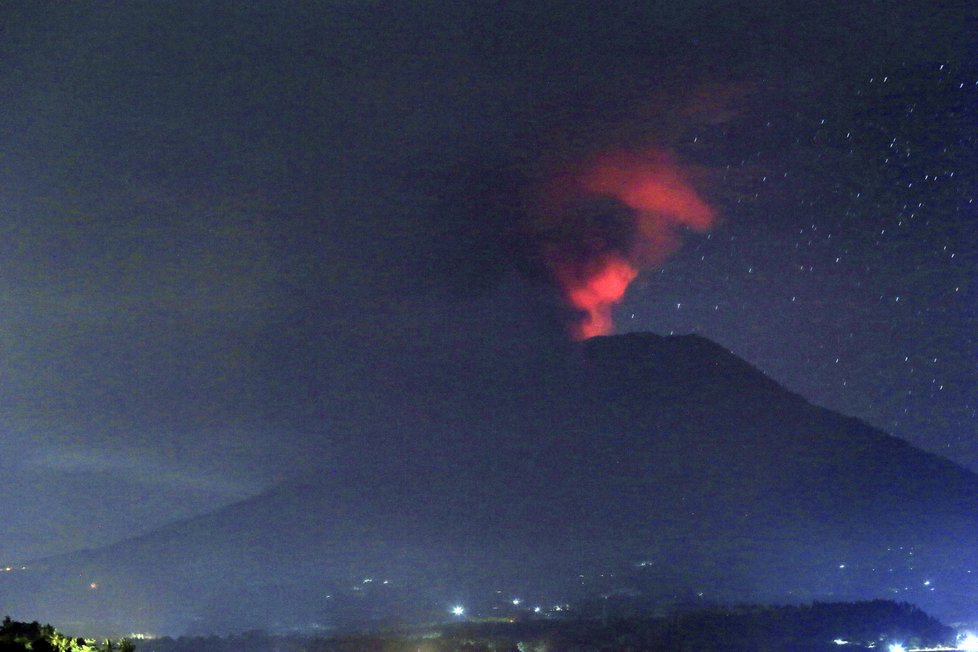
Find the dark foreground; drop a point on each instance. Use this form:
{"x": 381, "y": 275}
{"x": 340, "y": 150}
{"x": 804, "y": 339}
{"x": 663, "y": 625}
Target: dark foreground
{"x": 810, "y": 628}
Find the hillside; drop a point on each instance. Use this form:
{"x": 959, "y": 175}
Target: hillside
{"x": 660, "y": 467}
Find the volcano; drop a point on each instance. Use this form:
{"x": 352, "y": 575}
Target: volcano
{"x": 661, "y": 468}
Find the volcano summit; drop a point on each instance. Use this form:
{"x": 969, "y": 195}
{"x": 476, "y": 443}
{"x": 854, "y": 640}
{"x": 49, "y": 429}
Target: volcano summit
{"x": 661, "y": 468}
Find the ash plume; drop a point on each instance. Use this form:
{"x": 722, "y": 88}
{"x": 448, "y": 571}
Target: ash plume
{"x": 596, "y": 227}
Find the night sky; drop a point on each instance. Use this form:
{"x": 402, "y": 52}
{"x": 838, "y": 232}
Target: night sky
{"x": 233, "y": 234}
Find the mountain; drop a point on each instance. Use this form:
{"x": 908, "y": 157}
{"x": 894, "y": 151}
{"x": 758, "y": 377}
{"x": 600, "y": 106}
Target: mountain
{"x": 659, "y": 469}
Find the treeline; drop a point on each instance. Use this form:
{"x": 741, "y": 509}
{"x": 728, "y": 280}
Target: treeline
{"x": 809, "y": 628}
{"x": 20, "y": 637}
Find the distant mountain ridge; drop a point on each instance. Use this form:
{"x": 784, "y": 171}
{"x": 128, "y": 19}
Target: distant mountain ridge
{"x": 664, "y": 467}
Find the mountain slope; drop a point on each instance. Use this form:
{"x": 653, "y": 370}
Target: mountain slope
{"x": 644, "y": 465}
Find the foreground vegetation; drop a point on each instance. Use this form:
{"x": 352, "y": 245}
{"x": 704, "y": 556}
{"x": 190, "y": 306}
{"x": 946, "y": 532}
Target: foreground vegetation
{"x": 16, "y": 636}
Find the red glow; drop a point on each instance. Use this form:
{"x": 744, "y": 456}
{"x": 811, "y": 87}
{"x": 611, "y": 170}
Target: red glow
{"x": 597, "y": 293}
{"x": 651, "y": 181}
{"x": 653, "y": 186}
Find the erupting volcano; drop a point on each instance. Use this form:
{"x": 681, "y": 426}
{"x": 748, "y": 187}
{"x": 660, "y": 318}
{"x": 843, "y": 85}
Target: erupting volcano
{"x": 596, "y": 292}
{"x": 594, "y": 253}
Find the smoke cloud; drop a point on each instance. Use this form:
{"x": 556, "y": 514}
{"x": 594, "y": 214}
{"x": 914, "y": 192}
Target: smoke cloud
{"x": 601, "y": 224}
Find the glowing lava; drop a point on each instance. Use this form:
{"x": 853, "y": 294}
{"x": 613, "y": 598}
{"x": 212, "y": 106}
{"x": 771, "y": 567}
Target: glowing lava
{"x": 596, "y": 293}
{"x": 595, "y": 266}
